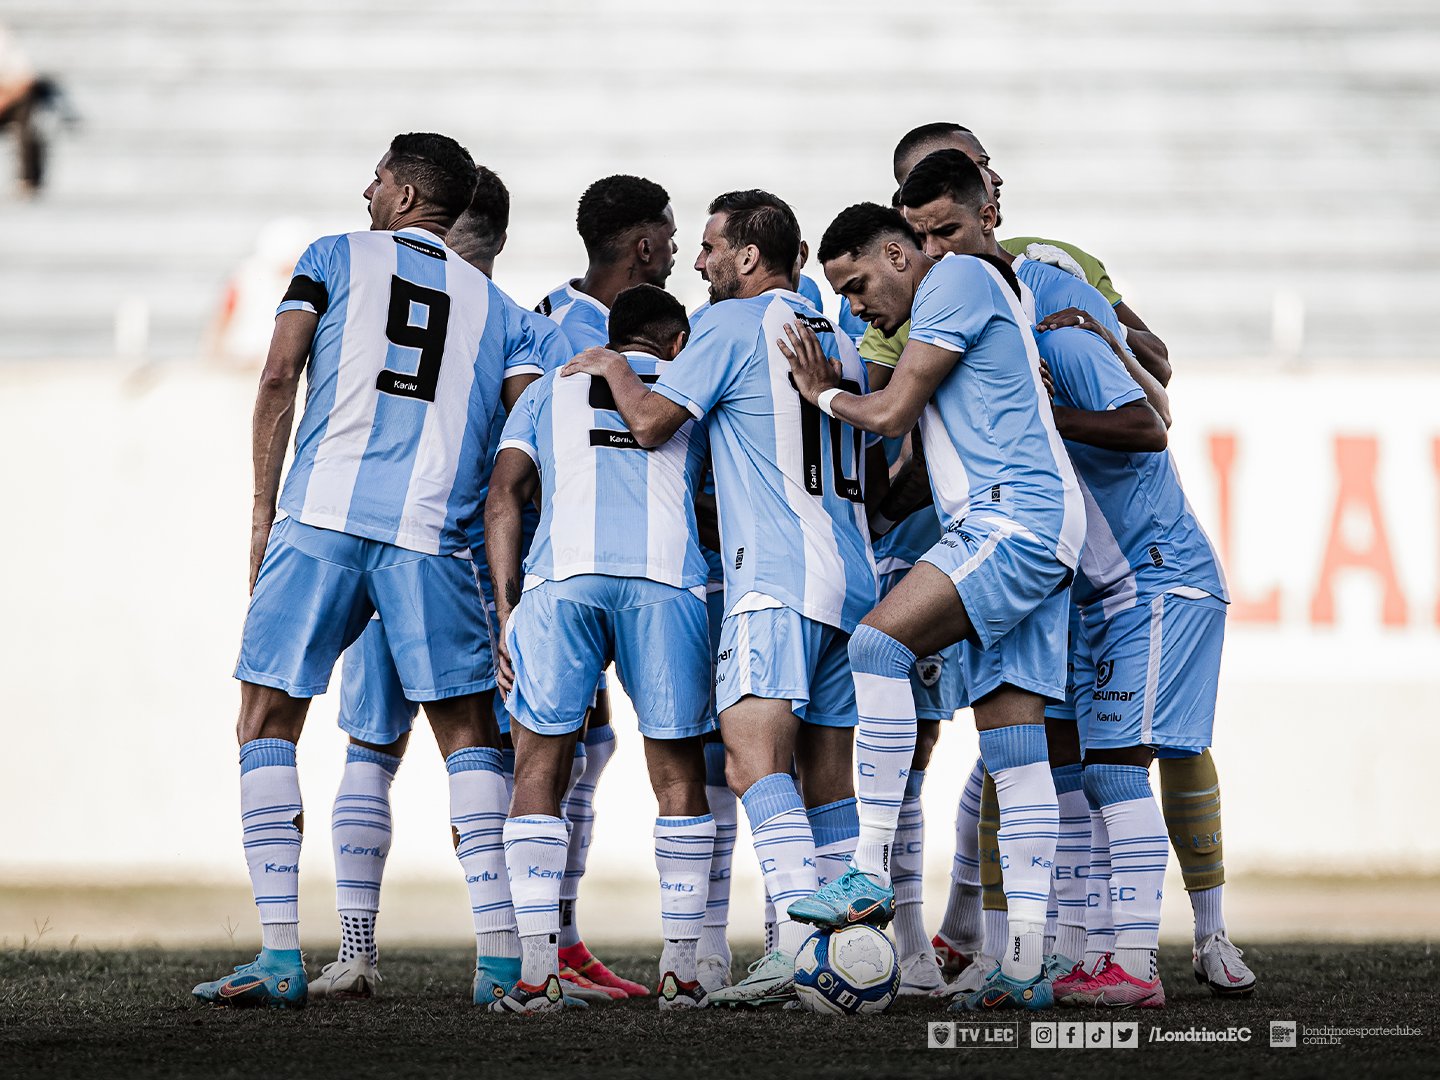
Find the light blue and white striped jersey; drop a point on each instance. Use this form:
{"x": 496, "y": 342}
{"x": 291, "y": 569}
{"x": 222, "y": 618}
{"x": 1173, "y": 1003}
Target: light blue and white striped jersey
{"x": 402, "y": 385}
{"x": 789, "y": 480}
{"x": 990, "y": 441}
{"x": 549, "y": 351}
{"x": 607, "y": 505}
{"x": 810, "y": 290}
{"x": 1141, "y": 536}
{"x": 903, "y": 545}
{"x": 1055, "y": 290}
{"x": 584, "y": 320}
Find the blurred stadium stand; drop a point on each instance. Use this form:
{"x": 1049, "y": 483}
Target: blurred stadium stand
{"x": 1245, "y": 168}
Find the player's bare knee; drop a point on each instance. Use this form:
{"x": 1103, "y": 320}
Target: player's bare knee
{"x": 927, "y": 734}
{"x": 1139, "y": 756}
{"x": 1062, "y": 740}
{"x": 267, "y": 713}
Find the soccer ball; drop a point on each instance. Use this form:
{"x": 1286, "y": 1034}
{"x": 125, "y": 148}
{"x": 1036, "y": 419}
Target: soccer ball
{"x": 847, "y": 971}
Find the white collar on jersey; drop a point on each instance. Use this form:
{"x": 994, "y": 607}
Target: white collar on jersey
{"x": 638, "y": 354}
{"x": 790, "y": 293}
{"x": 584, "y": 297}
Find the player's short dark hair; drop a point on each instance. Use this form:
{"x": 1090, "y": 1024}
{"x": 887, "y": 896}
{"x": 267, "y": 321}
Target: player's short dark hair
{"x": 437, "y": 167}
{"x": 945, "y": 172}
{"x": 646, "y": 313}
{"x": 612, "y": 207}
{"x": 857, "y": 227}
{"x": 926, "y": 133}
{"x": 757, "y": 217}
{"x": 488, "y": 216}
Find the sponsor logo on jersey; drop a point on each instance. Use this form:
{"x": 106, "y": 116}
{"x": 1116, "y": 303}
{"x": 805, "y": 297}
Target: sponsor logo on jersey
{"x": 1103, "y": 670}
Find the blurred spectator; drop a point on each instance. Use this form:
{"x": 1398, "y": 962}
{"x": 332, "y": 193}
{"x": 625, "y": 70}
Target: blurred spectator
{"x": 240, "y": 332}
{"x": 21, "y": 90}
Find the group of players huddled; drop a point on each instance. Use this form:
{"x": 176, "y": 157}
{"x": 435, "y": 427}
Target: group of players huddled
{"x": 803, "y": 543}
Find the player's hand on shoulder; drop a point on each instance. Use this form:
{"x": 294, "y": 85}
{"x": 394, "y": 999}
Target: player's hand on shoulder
{"x": 595, "y": 360}
{"x": 1047, "y": 378}
{"x": 813, "y": 372}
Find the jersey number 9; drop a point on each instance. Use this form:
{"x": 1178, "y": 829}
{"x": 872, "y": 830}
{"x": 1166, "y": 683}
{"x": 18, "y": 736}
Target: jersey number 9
{"x": 427, "y": 336}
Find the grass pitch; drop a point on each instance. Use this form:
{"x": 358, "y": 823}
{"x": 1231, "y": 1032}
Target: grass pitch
{"x": 109, "y": 1013}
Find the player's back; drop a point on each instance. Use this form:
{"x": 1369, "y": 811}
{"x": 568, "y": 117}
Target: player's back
{"x": 1055, "y": 290}
{"x": 608, "y": 506}
{"x": 403, "y": 382}
{"x": 990, "y": 441}
{"x": 788, "y": 479}
{"x": 1142, "y": 536}
{"x": 583, "y": 319}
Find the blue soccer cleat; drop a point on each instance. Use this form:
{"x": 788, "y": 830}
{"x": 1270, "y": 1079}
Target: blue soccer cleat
{"x": 495, "y": 976}
{"x": 852, "y": 898}
{"x": 274, "y": 980}
{"x": 1003, "y": 992}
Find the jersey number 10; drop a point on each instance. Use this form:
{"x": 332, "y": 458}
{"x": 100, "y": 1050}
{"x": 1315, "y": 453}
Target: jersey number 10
{"x": 811, "y": 422}
{"x": 429, "y": 338}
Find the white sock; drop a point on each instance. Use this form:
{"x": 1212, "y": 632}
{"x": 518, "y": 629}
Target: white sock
{"x": 785, "y": 847}
{"x": 273, "y": 822}
{"x": 1209, "y": 908}
{"x": 360, "y": 832}
{"x": 1099, "y": 925}
{"x": 723, "y": 805}
{"x": 535, "y": 859}
{"x": 1139, "y": 849}
{"x": 478, "y": 806}
{"x": 683, "y": 849}
{"x": 907, "y": 863}
{"x": 772, "y": 929}
{"x": 1018, "y": 759}
{"x": 884, "y": 742}
{"x": 1072, "y": 861}
{"x": 577, "y": 840}
{"x": 835, "y": 827}
{"x": 599, "y": 747}
{"x": 962, "y": 924}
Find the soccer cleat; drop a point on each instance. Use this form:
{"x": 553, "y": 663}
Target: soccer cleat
{"x": 1217, "y": 963}
{"x": 1112, "y": 987}
{"x": 971, "y": 979}
{"x": 271, "y": 981}
{"x": 577, "y": 985}
{"x": 356, "y": 979}
{"x": 771, "y": 980}
{"x": 494, "y": 976}
{"x": 952, "y": 960}
{"x": 1058, "y": 966}
{"x": 577, "y": 956}
{"x": 526, "y": 1000}
{"x": 714, "y": 972}
{"x": 1002, "y": 992}
{"x": 920, "y": 974}
{"x": 674, "y": 994}
{"x": 1071, "y": 981}
{"x": 854, "y": 897}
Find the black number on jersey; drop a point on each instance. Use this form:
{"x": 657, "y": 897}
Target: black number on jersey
{"x": 429, "y": 339}
{"x": 811, "y": 421}
{"x": 602, "y": 399}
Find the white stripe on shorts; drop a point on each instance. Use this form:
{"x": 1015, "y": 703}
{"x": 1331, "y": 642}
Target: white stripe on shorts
{"x": 1152, "y": 669}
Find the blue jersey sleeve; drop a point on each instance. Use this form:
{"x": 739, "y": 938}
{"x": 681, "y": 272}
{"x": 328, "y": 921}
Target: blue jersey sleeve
{"x": 811, "y": 291}
{"x": 552, "y": 347}
{"x": 1087, "y": 374}
{"x": 707, "y": 367}
{"x": 314, "y": 277}
{"x": 953, "y": 304}
{"x": 521, "y": 429}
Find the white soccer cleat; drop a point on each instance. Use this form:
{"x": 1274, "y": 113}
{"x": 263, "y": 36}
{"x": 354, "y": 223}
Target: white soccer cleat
{"x": 920, "y": 974}
{"x": 971, "y": 980}
{"x": 356, "y": 979}
{"x": 713, "y": 972}
{"x": 1217, "y": 964}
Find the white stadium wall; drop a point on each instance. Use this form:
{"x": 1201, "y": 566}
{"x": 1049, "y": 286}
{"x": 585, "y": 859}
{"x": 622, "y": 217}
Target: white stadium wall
{"x": 124, "y": 593}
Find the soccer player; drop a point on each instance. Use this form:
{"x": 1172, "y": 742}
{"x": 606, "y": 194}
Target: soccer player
{"x": 404, "y": 344}
{"x": 1013, "y": 526}
{"x": 798, "y": 568}
{"x": 628, "y": 227}
{"x": 615, "y": 573}
{"x": 378, "y": 717}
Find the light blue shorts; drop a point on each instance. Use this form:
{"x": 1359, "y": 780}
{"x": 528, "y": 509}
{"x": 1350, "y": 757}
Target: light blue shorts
{"x": 317, "y": 590}
{"x": 1002, "y": 573}
{"x": 937, "y": 681}
{"x": 1156, "y": 670}
{"x": 563, "y": 634}
{"x": 1031, "y": 656}
{"x": 1076, "y": 665}
{"x": 778, "y": 653}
